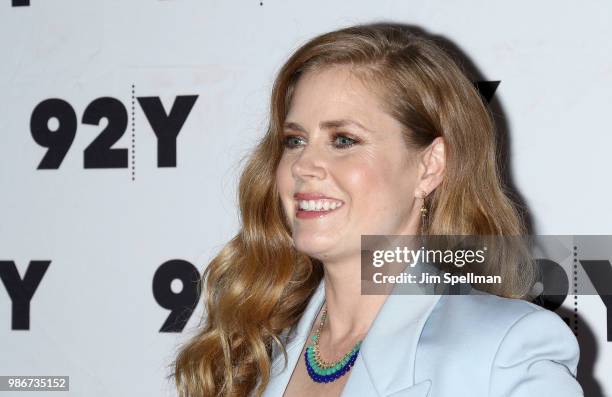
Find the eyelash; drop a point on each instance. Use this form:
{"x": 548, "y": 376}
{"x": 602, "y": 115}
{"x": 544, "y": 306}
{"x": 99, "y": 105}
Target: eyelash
{"x": 354, "y": 141}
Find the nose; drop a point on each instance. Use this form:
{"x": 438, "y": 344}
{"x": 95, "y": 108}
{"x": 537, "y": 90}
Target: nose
{"x": 309, "y": 164}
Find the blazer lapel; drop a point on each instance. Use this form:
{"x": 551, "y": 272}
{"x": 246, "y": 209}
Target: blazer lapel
{"x": 279, "y": 379}
{"x": 385, "y": 365}
{"x": 420, "y": 389}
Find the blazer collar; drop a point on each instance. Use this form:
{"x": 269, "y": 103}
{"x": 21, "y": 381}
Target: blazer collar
{"x": 280, "y": 375}
{"x": 385, "y": 365}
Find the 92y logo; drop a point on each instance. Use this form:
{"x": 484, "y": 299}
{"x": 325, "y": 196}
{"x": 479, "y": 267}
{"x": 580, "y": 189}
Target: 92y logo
{"x": 99, "y": 153}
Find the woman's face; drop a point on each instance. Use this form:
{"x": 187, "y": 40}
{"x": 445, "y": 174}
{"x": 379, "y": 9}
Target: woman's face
{"x": 341, "y": 146}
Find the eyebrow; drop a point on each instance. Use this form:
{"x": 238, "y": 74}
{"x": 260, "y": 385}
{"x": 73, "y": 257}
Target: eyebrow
{"x": 326, "y": 125}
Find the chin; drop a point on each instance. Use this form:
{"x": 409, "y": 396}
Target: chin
{"x": 314, "y": 247}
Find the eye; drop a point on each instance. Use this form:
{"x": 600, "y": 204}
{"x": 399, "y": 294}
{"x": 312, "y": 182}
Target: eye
{"x": 291, "y": 141}
{"x": 342, "y": 141}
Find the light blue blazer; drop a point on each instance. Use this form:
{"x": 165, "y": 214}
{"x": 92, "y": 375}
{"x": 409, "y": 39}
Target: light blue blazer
{"x": 450, "y": 346}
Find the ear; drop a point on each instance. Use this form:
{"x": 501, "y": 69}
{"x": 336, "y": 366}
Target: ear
{"x": 432, "y": 164}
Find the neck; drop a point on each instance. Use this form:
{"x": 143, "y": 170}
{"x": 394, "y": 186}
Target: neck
{"x": 349, "y": 313}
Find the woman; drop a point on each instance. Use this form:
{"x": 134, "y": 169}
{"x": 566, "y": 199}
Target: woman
{"x": 371, "y": 127}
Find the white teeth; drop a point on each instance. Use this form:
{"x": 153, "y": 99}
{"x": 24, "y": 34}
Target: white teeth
{"x": 319, "y": 205}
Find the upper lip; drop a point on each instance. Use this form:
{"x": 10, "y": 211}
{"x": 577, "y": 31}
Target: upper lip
{"x": 312, "y": 196}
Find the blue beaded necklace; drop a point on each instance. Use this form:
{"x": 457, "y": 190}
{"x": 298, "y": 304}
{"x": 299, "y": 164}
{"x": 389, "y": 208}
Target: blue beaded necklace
{"x": 324, "y": 372}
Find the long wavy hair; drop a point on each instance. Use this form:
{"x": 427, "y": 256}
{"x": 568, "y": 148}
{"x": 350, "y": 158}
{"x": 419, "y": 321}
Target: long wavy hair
{"x": 258, "y": 285}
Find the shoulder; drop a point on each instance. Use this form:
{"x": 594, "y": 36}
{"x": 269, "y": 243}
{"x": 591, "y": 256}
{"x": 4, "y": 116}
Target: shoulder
{"x": 499, "y": 314}
{"x": 506, "y": 326}
{"x": 485, "y": 318}
{"x": 515, "y": 347}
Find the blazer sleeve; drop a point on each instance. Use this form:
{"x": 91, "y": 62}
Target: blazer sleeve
{"x": 537, "y": 356}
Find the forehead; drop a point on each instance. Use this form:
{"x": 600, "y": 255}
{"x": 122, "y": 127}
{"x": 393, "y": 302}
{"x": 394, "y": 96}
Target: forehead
{"x": 336, "y": 93}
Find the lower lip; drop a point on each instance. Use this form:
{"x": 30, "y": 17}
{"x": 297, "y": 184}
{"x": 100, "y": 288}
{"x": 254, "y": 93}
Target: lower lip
{"x": 302, "y": 214}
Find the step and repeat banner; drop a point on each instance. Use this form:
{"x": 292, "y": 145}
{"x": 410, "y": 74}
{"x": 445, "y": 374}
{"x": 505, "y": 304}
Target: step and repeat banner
{"x": 124, "y": 126}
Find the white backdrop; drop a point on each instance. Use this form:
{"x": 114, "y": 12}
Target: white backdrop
{"x": 107, "y": 219}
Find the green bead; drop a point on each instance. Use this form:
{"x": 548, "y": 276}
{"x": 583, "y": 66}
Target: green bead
{"x": 312, "y": 351}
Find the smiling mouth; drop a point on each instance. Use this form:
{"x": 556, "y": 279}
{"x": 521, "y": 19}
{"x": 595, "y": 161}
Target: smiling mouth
{"x": 316, "y": 208}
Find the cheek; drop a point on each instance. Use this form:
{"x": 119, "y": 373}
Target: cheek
{"x": 282, "y": 173}
{"x": 375, "y": 187}
{"x": 365, "y": 182}
{"x": 284, "y": 182}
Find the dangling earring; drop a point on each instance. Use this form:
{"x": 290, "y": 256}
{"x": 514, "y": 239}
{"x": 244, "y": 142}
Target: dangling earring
{"x": 423, "y": 212}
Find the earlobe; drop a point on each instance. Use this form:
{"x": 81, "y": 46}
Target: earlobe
{"x": 420, "y": 193}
